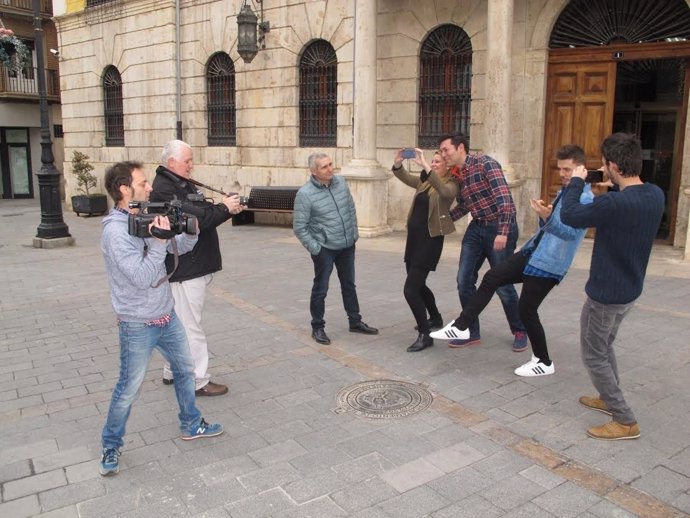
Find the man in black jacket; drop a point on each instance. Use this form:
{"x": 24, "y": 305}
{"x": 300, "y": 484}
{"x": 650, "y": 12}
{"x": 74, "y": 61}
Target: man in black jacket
{"x": 196, "y": 268}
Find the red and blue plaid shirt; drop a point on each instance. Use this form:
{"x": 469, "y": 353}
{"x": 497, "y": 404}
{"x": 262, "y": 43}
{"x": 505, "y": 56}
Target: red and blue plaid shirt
{"x": 484, "y": 193}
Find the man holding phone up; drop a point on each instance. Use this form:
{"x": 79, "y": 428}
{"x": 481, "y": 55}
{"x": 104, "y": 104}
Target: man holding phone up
{"x": 626, "y": 224}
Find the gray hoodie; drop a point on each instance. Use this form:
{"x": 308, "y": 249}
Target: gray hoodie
{"x": 133, "y": 265}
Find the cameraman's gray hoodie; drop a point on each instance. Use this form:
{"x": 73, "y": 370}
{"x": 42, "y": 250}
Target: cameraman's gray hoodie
{"x": 133, "y": 264}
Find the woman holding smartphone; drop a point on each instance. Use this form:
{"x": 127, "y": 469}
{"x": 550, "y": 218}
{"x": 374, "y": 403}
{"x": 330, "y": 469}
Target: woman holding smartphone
{"x": 428, "y": 222}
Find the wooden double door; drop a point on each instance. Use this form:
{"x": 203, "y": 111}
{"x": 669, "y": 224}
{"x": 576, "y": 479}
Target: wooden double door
{"x": 581, "y": 108}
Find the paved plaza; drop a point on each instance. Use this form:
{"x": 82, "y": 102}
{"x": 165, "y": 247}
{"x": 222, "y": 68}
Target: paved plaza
{"x": 490, "y": 444}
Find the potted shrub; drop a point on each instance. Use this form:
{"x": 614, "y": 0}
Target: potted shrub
{"x": 86, "y": 203}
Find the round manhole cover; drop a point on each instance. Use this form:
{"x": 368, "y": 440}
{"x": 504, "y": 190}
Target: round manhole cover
{"x": 384, "y": 399}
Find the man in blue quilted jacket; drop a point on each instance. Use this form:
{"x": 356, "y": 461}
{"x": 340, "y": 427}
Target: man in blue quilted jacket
{"x": 325, "y": 222}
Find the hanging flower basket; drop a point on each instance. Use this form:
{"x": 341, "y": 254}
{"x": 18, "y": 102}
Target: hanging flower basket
{"x": 14, "y": 54}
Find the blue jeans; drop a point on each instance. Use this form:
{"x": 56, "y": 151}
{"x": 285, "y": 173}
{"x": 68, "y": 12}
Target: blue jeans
{"x": 598, "y": 328}
{"x": 344, "y": 261}
{"x": 137, "y": 342}
{"x": 477, "y": 246}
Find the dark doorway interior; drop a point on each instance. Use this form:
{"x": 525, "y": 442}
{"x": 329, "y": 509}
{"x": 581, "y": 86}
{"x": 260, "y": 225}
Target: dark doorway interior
{"x": 15, "y": 163}
{"x": 649, "y": 100}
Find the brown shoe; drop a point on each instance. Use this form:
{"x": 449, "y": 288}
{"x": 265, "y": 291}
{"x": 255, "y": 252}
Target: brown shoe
{"x": 615, "y": 431}
{"x": 212, "y": 389}
{"x": 594, "y": 403}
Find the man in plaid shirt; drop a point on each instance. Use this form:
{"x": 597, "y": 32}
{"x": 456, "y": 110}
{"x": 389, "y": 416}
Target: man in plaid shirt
{"x": 492, "y": 234}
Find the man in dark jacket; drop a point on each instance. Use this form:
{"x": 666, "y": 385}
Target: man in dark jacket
{"x": 325, "y": 222}
{"x": 196, "y": 268}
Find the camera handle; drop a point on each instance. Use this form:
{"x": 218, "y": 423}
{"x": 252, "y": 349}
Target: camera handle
{"x": 198, "y": 184}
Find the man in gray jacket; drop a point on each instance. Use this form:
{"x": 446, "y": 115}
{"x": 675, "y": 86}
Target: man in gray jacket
{"x": 325, "y": 222}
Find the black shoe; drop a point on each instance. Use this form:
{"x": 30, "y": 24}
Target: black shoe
{"x": 320, "y": 336}
{"x": 423, "y": 341}
{"x": 361, "y": 327}
{"x": 434, "y": 323}
{"x": 167, "y": 381}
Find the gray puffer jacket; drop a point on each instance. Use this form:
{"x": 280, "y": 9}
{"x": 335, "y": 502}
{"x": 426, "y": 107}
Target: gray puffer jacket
{"x": 325, "y": 216}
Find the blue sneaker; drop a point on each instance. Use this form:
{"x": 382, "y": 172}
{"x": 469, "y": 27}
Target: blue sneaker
{"x": 203, "y": 430}
{"x": 110, "y": 463}
{"x": 520, "y": 341}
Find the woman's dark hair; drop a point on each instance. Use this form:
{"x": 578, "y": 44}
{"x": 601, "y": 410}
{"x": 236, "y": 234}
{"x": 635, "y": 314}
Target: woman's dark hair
{"x": 120, "y": 174}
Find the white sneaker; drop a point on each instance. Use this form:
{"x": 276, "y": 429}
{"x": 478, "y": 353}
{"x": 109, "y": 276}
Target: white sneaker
{"x": 535, "y": 367}
{"x": 450, "y": 332}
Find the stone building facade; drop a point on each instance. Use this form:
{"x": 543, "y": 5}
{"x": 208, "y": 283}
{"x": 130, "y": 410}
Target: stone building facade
{"x": 163, "y": 66}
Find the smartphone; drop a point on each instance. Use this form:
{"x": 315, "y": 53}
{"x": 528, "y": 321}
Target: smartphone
{"x": 594, "y": 176}
{"x": 409, "y": 153}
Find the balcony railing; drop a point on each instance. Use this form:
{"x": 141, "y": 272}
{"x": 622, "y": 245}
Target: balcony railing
{"x": 24, "y": 83}
{"x": 27, "y": 5}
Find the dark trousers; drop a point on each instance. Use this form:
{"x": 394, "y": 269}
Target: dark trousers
{"x": 344, "y": 261}
{"x": 419, "y": 297}
{"x": 534, "y": 291}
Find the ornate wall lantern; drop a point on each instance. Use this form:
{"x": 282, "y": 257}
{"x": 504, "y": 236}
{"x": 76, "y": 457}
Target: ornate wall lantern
{"x": 247, "y": 39}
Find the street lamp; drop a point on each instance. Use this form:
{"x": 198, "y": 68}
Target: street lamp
{"x": 52, "y": 231}
{"x": 247, "y": 39}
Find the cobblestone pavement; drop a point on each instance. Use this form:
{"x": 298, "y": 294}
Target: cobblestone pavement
{"x": 490, "y": 444}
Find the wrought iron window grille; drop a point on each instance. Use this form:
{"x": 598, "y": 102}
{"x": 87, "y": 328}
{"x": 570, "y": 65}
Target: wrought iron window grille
{"x": 318, "y": 100}
{"x": 112, "y": 107}
{"x": 220, "y": 107}
{"x": 445, "y": 85}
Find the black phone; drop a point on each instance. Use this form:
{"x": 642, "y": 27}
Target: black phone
{"x": 594, "y": 176}
{"x": 409, "y": 153}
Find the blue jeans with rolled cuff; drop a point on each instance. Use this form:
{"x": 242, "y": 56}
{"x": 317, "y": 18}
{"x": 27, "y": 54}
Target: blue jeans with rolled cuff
{"x": 137, "y": 341}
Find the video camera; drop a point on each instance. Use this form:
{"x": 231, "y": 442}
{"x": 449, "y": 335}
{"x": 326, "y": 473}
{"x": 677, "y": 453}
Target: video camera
{"x": 138, "y": 224}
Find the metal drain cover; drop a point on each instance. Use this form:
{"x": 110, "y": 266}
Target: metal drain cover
{"x": 384, "y": 399}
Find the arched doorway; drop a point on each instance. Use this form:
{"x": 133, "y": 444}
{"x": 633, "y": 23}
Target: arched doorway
{"x": 620, "y": 65}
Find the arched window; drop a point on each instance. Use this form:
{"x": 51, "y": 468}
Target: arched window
{"x": 318, "y": 95}
{"x": 112, "y": 107}
{"x": 220, "y": 98}
{"x": 445, "y": 84}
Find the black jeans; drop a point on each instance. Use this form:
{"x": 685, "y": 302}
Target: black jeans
{"x": 344, "y": 261}
{"x": 419, "y": 297}
{"x": 534, "y": 291}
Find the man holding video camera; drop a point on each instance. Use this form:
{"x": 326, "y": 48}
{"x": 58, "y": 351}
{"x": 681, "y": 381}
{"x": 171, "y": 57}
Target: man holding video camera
{"x": 626, "y": 224}
{"x": 196, "y": 268}
{"x": 143, "y": 303}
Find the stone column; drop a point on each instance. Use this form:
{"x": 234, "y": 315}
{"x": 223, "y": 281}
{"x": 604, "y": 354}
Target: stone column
{"x": 368, "y": 181}
{"x": 498, "y": 80}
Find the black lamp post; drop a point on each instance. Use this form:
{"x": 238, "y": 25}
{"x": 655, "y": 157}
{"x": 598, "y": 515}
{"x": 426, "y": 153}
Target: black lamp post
{"x": 52, "y": 225}
{"x": 247, "y": 39}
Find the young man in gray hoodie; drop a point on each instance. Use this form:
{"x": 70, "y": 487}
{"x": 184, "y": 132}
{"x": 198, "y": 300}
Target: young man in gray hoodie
{"x": 143, "y": 302}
